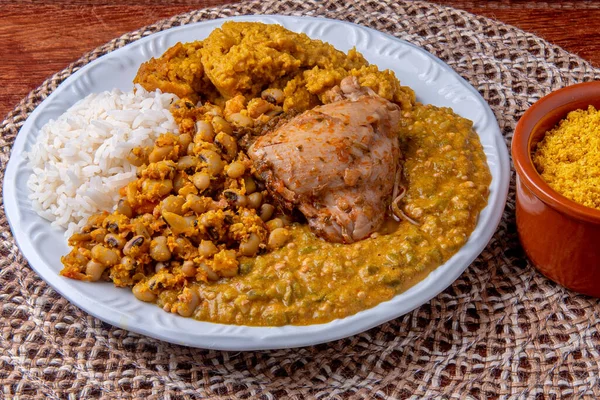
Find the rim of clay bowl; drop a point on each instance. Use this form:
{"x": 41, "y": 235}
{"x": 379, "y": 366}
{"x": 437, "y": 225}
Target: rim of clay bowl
{"x": 545, "y": 114}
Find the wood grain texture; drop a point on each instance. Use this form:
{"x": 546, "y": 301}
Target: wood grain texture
{"x": 41, "y": 37}
{"x": 572, "y": 25}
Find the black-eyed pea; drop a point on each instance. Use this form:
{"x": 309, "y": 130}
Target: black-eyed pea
{"x": 179, "y": 181}
{"x": 204, "y": 132}
{"x": 128, "y": 263}
{"x": 135, "y": 245}
{"x": 250, "y": 246}
{"x": 195, "y": 203}
{"x": 179, "y": 224}
{"x": 274, "y": 112}
{"x": 80, "y": 259}
{"x": 183, "y": 248}
{"x": 123, "y": 207}
{"x": 94, "y": 270}
{"x": 185, "y": 310}
{"x": 79, "y": 237}
{"x": 165, "y": 187}
{"x": 234, "y": 198}
{"x": 105, "y": 256}
{"x": 278, "y": 237}
{"x": 241, "y": 120}
{"x": 159, "y": 251}
{"x": 159, "y": 267}
{"x": 205, "y": 221}
{"x": 228, "y": 273}
{"x": 207, "y": 248}
{"x": 131, "y": 192}
{"x": 188, "y": 268}
{"x": 157, "y": 187}
{"x": 160, "y": 153}
{"x": 210, "y": 273}
{"x": 201, "y": 180}
{"x": 257, "y": 107}
{"x": 139, "y": 171}
{"x": 212, "y": 110}
{"x": 188, "y": 301}
{"x": 143, "y": 293}
{"x": 227, "y": 144}
{"x": 136, "y": 158}
{"x": 184, "y": 140}
{"x": 241, "y": 201}
{"x": 272, "y": 95}
{"x": 275, "y": 223}
{"x": 249, "y": 185}
{"x": 214, "y": 163}
{"x": 187, "y": 163}
{"x": 140, "y": 229}
{"x": 172, "y": 204}
{"x": 266, "y": 212}
{"x": 255, "y": 200}
{"x": 114, "y": 240}
{"x": 220, "y": 125}
{"x": 236, "y": 169}
{"x": 98, "y": 235}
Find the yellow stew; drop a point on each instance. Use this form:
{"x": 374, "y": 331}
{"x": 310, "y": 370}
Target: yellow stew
{"x": 311, "y": 281}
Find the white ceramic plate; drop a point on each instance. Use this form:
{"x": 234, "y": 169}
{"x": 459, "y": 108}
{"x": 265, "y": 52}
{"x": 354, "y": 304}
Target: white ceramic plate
{"x": 433, "y": 81}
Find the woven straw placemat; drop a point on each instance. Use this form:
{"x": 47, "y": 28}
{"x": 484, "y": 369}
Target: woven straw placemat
{"x": 501, "y": 330}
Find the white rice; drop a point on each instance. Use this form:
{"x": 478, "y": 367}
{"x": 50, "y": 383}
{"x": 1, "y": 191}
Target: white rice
{"x": 79, "y": 161}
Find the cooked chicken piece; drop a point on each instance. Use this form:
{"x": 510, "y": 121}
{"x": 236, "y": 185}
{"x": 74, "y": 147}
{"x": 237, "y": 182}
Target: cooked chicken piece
{"x": 336, "y": 163}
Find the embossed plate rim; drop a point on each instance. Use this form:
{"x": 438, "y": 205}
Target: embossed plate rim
{"x": 151, "y": 320}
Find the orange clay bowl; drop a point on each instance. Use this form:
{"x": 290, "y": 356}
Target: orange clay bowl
{"x": 560, "y": 237}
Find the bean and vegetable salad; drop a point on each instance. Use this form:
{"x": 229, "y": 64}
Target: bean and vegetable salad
{"x": 198, "y": 233}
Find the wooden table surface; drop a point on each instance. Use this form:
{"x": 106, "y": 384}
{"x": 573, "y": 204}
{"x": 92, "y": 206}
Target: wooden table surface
{"x": 41, "y": 37}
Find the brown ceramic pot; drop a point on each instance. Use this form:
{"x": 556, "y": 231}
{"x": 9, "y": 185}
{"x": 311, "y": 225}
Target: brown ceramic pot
{"x": 560, "y": 237}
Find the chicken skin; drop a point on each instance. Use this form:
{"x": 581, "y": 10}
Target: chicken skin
{"x": 336, "y": 163}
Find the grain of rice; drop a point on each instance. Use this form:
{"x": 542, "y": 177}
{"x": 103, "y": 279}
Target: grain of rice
{"x": 79, "y": 161}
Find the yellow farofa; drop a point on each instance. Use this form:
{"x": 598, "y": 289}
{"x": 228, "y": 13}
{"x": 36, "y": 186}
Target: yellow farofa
{"x": 244, "y": 58}
{"x": 568, "y": 158}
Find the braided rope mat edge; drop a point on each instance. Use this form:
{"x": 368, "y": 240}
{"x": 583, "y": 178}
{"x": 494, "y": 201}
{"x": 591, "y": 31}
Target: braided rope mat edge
{"x": 501, "y": 330}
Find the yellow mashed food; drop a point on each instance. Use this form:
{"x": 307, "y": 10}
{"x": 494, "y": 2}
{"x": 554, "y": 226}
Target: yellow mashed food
{"x": 312, "y": 281}
{"x": 245, "y": 58}
{"x": 568, "y": 158}
{"x": 198, "y": 234}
